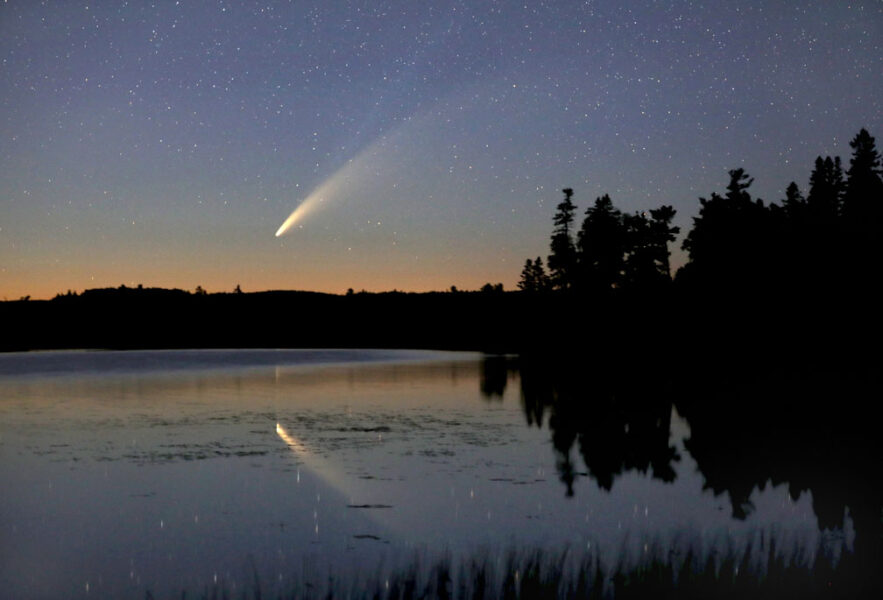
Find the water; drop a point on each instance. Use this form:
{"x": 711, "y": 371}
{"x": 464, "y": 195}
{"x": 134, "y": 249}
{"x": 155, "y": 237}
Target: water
{"x": 168, "y": 471}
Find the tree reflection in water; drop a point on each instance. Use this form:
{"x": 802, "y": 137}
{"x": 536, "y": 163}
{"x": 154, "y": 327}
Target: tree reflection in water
{"x": 618, "y": 423}
{"x": 814, "y": 431}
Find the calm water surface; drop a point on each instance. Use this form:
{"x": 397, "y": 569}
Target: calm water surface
{"x": 171, "y": 471}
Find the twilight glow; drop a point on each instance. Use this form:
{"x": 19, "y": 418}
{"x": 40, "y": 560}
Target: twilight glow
{"x": 425, "y": 143}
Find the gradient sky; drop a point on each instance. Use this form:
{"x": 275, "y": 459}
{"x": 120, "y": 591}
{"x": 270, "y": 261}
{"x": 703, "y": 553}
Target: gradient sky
{"x": 164, "y": 143}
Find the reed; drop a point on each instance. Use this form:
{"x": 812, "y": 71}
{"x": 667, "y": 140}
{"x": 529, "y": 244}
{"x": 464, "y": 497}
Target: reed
{"x": 521, "y": 574}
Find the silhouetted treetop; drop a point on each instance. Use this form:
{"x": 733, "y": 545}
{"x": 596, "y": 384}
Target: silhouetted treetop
{"x": 863, "y": 196}
{"x": 602, "y": 246}
{"x": 794, "y": 202}
{"x": 534, "y": 277}
{"x": 728, "y": 237}
{"x": 647, "y": 254}
{"x": 612, "y": 250}
{"x": 562, "y": 260}
{"x": 825, "y": 189}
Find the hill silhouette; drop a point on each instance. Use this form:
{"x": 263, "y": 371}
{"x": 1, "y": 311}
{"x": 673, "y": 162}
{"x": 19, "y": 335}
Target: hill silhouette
{"x": 129, "y": 318}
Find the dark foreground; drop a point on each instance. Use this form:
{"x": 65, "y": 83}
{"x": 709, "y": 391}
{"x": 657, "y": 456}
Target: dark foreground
{"x": 783, "y": 390}
{"x": 795, "y": 327}
{"x": 527, "y": 574}
{"x": 136, "y": 318}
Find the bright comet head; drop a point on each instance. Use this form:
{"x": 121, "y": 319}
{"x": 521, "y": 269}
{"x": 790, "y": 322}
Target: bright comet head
{"x": 290, "y": 221}
{"x": 310, "y": 204}
{"x": 298, "y": 213}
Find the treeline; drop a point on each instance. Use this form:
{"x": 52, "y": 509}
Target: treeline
{"x": 827, "y": 241}
{"x": 143, "y": 317}
{"x": 611, "y": 250}
{"x": 795, "y": 280}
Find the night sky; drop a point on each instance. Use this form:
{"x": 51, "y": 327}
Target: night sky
{"x": 164, "y": 143}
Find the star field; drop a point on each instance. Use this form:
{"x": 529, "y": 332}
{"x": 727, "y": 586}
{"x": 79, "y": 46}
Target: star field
{"x": 164, "y": 143}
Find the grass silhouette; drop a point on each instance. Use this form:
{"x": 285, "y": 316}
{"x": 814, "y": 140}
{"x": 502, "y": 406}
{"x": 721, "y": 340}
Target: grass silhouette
{"x": 519, "y": 574}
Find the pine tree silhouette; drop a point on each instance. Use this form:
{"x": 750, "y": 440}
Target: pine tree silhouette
{"x": 562, "y": 260}
{"x": 601, "y": 243}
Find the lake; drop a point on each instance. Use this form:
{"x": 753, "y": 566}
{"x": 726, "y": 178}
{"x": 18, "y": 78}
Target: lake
{"x": 162, "y": 472}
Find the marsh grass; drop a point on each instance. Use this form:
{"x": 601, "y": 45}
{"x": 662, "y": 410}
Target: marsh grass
{"x": 520, "y": 574}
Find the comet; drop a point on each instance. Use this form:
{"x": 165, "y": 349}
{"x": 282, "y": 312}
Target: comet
{"x": 368, "y": 167}
{"x": 342, "y": 183}
{"x": 392, "y": 157}
{"x": 317, "y": 197}
{"x": 295, "y": 216}
{"x": 290, "y": 221}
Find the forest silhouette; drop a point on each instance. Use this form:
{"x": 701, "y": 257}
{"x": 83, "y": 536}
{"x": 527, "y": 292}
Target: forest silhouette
{"x": 787, "y": 281}
{"x": 737, "y": 245}
{"x": 766, "y": 342}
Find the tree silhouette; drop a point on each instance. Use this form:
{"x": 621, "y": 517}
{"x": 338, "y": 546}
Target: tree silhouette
{"x": 825, "y": 190}
{"x": 526, "y": 283}
{"x": 662, "y": 233}
{"x": 562, "y": 260}
{"x": 799, "y": 255}
{"x": 533, "y": 277}
{"x": 540, "y": 277}
{"x": 602, "y": 246}
{"x": 647, "y": 254}
{"x": 863, "y": 196}
{"x": 862, "y": 222}
{"x": 794, "y": 203}
{"x": 612, "y": 250}
{"x": 730, "y": 239}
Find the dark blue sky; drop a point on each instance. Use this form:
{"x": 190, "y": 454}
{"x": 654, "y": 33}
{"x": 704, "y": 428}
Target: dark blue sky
{"x": 164, "y": 143}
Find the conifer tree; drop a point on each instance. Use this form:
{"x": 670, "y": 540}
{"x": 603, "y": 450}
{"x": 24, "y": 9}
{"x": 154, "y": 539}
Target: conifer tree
{"x": 860, "y": 250}
{"x": 863, "y": 196}
{"x": 662, "y": 233}
{"x": 527, "y": 283}
{"x": 638, "y": 265}
{"x": 540, "y": 277}
{"x": 647, "y": 254}
{"x": 729, "y": 236}
{"x": 825, "y": 190}
{"x": 602, "y": 246}
{"x": 533, "y": 276}
{"x": 794, "y": 202}
{"x": 562, "y": 260}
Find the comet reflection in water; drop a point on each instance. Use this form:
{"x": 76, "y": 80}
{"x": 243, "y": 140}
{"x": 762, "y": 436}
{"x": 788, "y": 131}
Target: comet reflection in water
{"x": 351, "y": 489}
{"x": 314, "y": 461}
{"x": 299, "y": 449}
